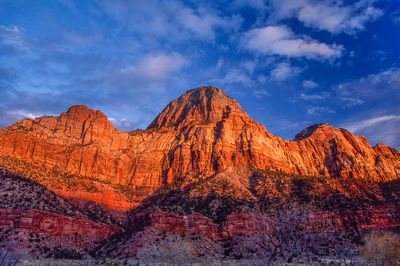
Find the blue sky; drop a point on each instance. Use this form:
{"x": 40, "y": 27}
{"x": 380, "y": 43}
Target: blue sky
{"x": 289, "y": 63}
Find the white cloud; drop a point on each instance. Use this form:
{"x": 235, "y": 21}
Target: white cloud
{"x": 351, "y": 102}
{"x": 318, "y": 110}
{"x": 152, "y": 72}
{"x": 234, "y": 76}
{"x": 70, "y": 4}
{"x": 250, "y": 66}
{"x": 170, "y": 19}
{"x": 314, "y": 97}
{"x": 156, "y": 66}
{"x": 309, "y": 84}
{"x": 280, "y": 40}
{"x": 12, "y": 35}
{"x": 332, "y": 16}
{"x": 381, "y": 86}
{"x": 357, "y": 126}
{"x": 396, "y": 17}
{"x": 256, "y": 4}
{"x": 284, "y": 71}
{"x": 122, "y": 123}
{"x": 378, "y": 129}
{"x": 20, "y": 114}
{"x": 379, "y": 117}
{"x": 260, "y": 93}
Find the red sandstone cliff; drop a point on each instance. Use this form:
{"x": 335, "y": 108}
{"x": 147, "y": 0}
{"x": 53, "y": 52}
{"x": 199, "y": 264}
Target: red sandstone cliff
{"x": 197, "y": 135}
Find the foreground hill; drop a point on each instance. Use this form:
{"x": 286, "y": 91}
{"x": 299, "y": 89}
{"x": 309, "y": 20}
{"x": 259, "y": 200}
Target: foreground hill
{"x": 36, "y": 222}
{"x": 237, "y": 203}
{"x": 197, "y": 135}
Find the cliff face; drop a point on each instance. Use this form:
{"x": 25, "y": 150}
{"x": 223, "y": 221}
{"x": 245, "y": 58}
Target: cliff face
{"x": 197, "y": 135}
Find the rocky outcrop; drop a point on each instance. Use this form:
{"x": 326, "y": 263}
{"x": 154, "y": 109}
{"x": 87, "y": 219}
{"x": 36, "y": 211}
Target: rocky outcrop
{"x": 193, "y": 224}
{"x": 197, "y": 135}
{"x": 239, "y": 224}
{"x": 52, "y": 224}
{"x": 35, "y": 221}
{"x": 51, "y": 233}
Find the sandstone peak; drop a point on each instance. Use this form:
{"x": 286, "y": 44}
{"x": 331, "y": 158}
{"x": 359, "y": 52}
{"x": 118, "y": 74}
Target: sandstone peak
{"x": 204, "y": 105}
{"x": 308, "y": 131}
{"x": 82, "y": 110}
{"x": 78, "y": 108}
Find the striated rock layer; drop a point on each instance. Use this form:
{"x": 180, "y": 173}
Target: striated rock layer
{"x": 237, "y": 224}
{"x": 81, "y": 232}
{"x": 197, "y": 135}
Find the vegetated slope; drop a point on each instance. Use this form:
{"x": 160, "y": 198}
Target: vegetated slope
{"x": 18, "y": 193}
{"x": 239, "y": 205}
{"x": 36, "y": 222}
{"x": 259, "y": 191}
{"x": 83, "y": 190}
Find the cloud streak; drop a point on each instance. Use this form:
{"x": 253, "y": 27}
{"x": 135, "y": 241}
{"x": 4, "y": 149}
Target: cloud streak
{"x": 359, "y": 125}
{"x": 284, "y": 71}
{"x": 309, "y": 84}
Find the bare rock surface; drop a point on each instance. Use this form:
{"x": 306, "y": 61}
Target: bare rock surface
{"x": 197, "y": 135}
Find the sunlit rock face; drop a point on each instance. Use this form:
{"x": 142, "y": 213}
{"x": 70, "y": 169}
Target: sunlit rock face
{"x": 199, "y": 134}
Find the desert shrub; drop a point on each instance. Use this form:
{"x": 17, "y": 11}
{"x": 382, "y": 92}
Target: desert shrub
{"x": 174, "y": 250}
{"x": 381, "y": 248}
{"x": 294, "y": 235}
{"x": 108, "y": 261}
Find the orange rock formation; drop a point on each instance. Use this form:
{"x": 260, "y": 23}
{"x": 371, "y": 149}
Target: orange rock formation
{"x": 197, "y": 135}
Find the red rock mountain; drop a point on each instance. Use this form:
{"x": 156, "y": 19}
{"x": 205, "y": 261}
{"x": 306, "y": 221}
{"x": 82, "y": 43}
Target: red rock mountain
{"x": 203, "y": 169}
{"x": 197, "y": 135}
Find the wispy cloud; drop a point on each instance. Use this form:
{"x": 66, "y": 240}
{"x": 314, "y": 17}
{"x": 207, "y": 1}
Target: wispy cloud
{"x": 396, "y": 17}
{"x": 358, "y": 125}
{"x": 309, "y": 84}
{"x": 170, "y": 19}
{"x": 378, "y": 129}
{"x": 318, "y": 110}
{"x": 351, "y": 102}
{"x": 156, "y": 66}
{"x": 280, "y": 40}
{"x": 260, "y": 93}
{"x": 332, "y": 16}
{"x": 284, "y": 71}
{"x": 234, "y": 76}
{"x": 12, "y": 36}
{"x": 255, "y": 4}
{"x": 19, "y": 114}
{"x": 314, "y": 97}
{"x": 384, "y": 85}
{"x": 151, "y": 72}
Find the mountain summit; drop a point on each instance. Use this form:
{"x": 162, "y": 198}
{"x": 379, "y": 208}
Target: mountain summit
{"x": 198, "y": 106}
{"x": 200, "y": 134}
